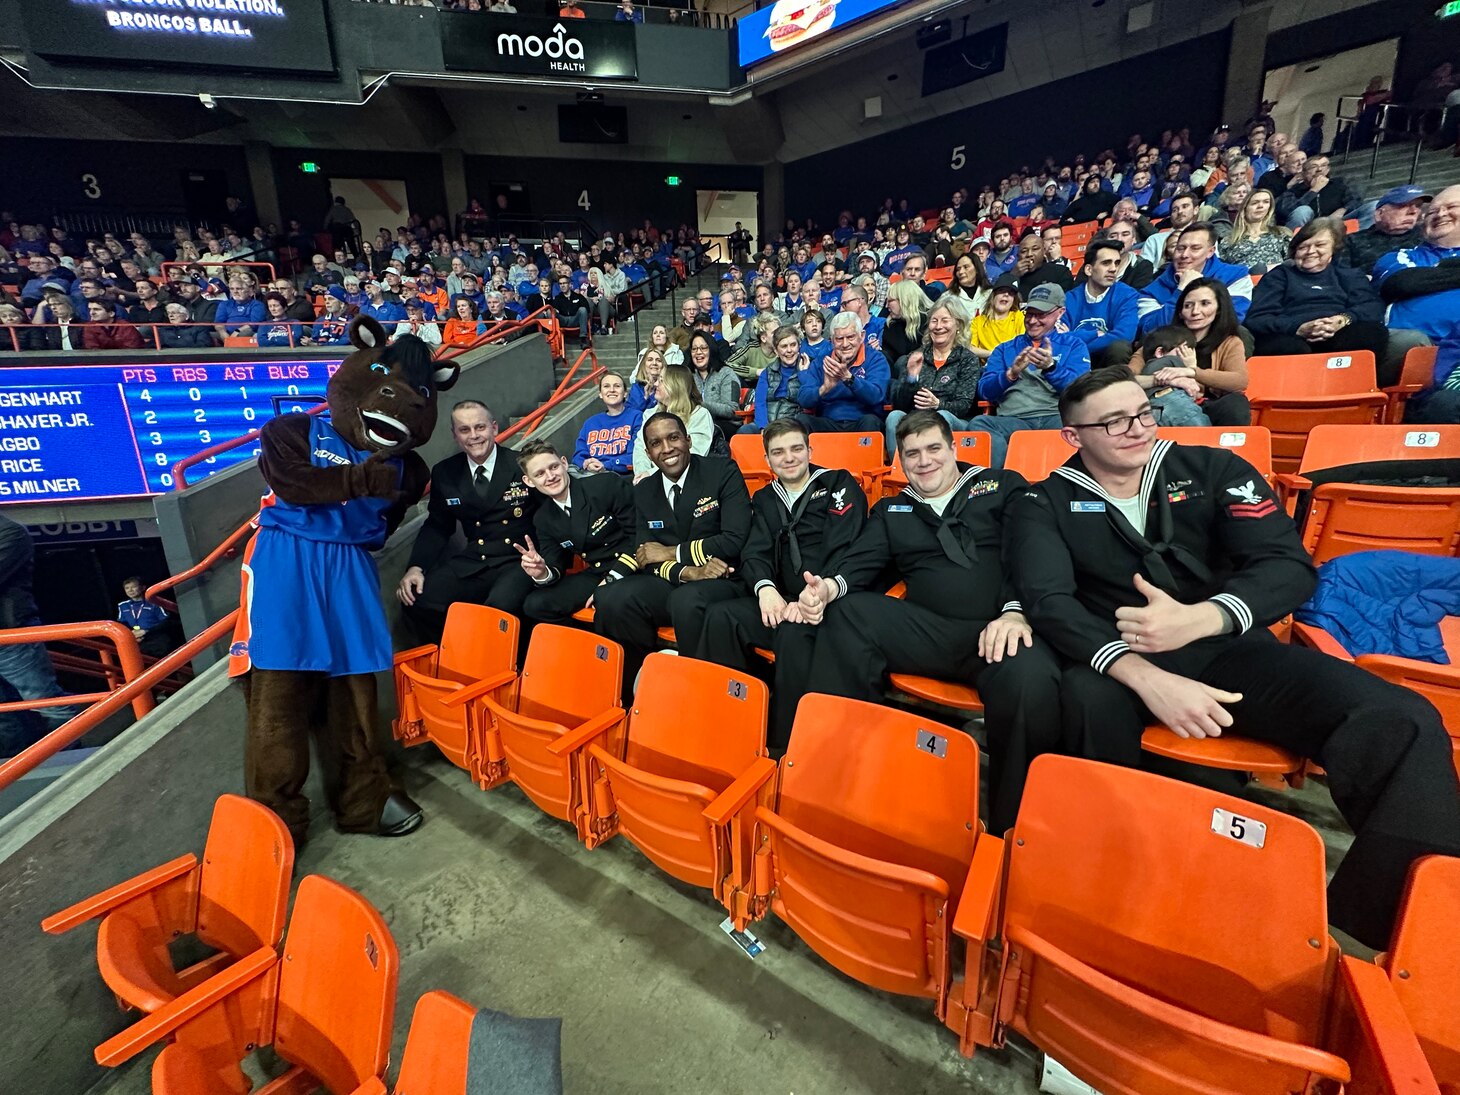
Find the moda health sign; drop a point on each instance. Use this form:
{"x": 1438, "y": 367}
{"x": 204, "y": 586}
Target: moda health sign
{"x": 571, "y": 48}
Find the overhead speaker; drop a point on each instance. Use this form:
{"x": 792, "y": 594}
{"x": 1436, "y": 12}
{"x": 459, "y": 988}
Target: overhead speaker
{"x": 968, "y": 59}
{"x": 933, "y": 34}
{"x": 592, "y": 123}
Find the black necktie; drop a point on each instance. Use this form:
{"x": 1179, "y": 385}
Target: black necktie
{"x": 674, "y": 497}
{"x": 480, "y": 479}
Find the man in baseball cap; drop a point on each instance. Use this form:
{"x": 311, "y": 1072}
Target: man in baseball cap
{"x": 1025, "y": 376}
{"x": 1396, "y": 226}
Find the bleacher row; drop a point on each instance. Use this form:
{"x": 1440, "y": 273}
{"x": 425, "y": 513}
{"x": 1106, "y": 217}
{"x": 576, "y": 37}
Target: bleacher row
{"x": 1072, "y": 936}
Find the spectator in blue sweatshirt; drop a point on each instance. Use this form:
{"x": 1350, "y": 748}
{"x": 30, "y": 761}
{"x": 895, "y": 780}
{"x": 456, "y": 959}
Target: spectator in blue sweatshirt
{"x": 387, "y": 312}
{"x": 1102, "y": 311}
{"x": 899, "y": 255}
{"x": 334, "y": 326}
{"x": 278, "y": 329}
{"x": 1025, "y": 375}
{"x": 1193, "y": 255}
{"x": 606, "y": 441}
{"x": 1002, "y": 254}
{"x": 240, "y": 312}
{"x": 1026, "y": 200}
{"x": 846, "y": 390}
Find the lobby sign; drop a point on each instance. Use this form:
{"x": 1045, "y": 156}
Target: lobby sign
{"x": 257, "y": 35}
{"x": 481, "y": 42}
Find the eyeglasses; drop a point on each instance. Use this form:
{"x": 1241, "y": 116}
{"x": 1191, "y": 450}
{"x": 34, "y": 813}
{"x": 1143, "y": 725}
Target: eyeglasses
{"x": 1119, "y": 427}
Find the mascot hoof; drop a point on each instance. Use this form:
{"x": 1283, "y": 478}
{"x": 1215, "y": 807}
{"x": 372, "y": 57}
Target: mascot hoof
{"x": 400, "y": 815}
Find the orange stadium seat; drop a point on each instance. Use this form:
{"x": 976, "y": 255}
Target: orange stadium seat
{"x": 567, "y": 694}
{"x": 1179, "y": 946}
{"x": 326, "y": 1006}
{"x": 858, "y": 453}
{"x": 683, "y": 790}
{"x": 438, "y": 1048}
{"x": 748, "y": 452}
{"x": 233, "y": 902}
{"x": 1423, "y": 963}
{"x": 971, "y": 446}
{"x": 1440, "y": 684}
{"x": 1338, "y": 518}
{"x": 434, "y": 684}
{"x": 867, "y": 851}
{"x": 1416, "y": 375}
{"x": 1291, "y": 395}
{"x": 1036, "y": 453}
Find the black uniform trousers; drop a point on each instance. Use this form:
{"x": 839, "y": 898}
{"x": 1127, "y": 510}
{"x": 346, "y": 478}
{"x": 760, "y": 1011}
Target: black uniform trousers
{"x": 733, "y": 628}
{"x": 865, "y": 636}
{"x": 631, "y": 611}
{"x": 503, "y": 585}
{"x": 556, "y": 603}
{"x": 1385, "y": 750}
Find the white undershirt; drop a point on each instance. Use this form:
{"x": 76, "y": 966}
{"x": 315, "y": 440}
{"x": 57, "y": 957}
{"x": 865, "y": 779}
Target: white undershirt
{"x": 940, "y": 503}
{"x": 1132, "y": 510}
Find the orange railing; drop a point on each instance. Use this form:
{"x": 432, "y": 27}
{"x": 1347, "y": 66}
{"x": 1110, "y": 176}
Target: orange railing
{"x": 136, "y": 691}
{"x": 129, "y": 658}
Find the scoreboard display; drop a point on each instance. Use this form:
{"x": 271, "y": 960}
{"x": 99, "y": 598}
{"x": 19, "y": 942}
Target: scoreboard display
{"x": 81, "y": 432}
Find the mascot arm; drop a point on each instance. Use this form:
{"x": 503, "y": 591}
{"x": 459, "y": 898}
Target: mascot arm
{"x": 415, "y": 477}
{"x": 284, "y": 460}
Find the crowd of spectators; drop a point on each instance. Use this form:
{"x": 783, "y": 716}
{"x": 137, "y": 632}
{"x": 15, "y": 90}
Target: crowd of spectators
{"x": 210, "y": 289}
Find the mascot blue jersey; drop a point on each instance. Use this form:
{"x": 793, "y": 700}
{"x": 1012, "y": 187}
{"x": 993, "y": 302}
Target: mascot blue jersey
{"x": 311, "y": 590}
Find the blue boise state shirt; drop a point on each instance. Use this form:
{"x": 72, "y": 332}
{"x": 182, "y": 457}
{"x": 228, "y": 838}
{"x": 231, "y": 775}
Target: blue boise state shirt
{"x": 1436, "y": 314}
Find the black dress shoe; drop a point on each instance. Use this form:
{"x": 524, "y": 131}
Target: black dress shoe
{"x": 400, "y": 815}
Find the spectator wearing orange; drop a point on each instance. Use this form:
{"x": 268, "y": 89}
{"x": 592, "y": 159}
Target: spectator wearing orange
{"x": 432, "y": 292}
{"x": 571, "y": 10}
{"x": 463, "y": 328}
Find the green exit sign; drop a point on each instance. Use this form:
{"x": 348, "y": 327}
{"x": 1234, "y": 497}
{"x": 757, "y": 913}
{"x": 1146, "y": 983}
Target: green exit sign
{"x": 309, "y": 167}
{"x": 1447, "y": 10}
{"x": 673, "y": 180}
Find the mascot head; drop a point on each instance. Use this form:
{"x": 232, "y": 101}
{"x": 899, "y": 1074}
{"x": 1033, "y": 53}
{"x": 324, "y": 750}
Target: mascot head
{"x": 383, "y": 397}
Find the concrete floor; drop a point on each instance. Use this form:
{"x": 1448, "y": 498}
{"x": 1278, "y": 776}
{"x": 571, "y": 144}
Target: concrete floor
{"x": 496, "y": 902}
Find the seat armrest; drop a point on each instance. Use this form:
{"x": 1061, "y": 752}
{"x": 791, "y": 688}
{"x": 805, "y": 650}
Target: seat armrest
{"x": 979, "y": 903}
{"x": 579, "y": 736}
{"x": 741, "y": 792}
{"x": 166, "y": 1020}
{"x": 414, "y": 653}
{"x": 898, "y": 592}
{"x": 121, "y": 894}
{"x": 479, "y": 689}
{"x": 1317, "y": 639}
{"x": 1288, "y": 485}
{"x": 1383, "y": 1031}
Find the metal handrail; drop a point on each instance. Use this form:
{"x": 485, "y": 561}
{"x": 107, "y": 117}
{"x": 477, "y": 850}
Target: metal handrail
{"x": 129, "y": 655}
{"x": 138, "y": 690}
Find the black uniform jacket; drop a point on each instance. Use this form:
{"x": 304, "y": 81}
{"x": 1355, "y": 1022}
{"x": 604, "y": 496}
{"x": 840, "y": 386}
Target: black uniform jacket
{"x": 711, "y": 519}
{"x": 599, "y": 526}
{"x": 492, "y": 520}
{"x": 1213, "y": 532}
{"x": 952, "y": 563}
{"x": 788, "y": 540}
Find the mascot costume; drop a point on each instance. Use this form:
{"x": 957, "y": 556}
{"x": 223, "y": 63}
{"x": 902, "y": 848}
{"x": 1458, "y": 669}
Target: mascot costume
{"x": 312, "y": 633}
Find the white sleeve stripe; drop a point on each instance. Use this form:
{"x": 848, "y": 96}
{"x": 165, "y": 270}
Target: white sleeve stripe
{"x": 841, "y": 585}
{"x": 1107, "y": 654}
{"x": 1241, "y": 614}
{"x": 1012, "y": 606}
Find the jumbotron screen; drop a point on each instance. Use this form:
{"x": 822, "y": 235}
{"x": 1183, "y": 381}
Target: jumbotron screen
{"x": 79, "y": 432}
{"x": 259, "y": 35}
{"x": 788, "y": 24}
